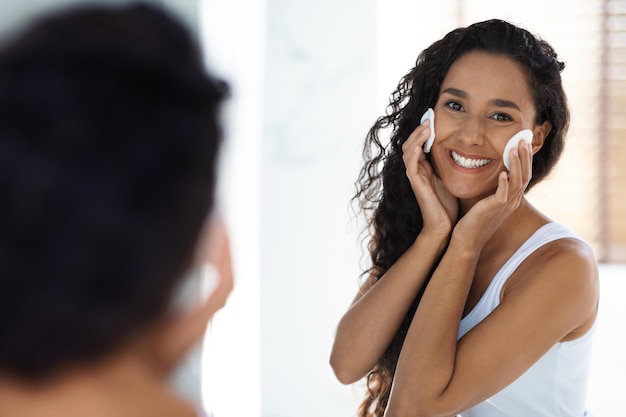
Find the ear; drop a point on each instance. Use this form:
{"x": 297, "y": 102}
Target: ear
{"x": 176, "y": 334}
{"x": 540, "y": 133}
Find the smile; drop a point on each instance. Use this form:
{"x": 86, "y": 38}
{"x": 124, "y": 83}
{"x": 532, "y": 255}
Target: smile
{"x": 467, "y": 162}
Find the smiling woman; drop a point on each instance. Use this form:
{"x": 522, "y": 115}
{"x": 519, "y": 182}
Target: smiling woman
{"x": 476, "y": 303}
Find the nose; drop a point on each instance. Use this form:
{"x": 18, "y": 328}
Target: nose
{"x": 472, "y": 131}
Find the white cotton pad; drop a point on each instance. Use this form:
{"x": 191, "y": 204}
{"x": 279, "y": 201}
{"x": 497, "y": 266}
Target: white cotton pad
{"x": 430, "y": 115}
{"x": 526, "y": 135}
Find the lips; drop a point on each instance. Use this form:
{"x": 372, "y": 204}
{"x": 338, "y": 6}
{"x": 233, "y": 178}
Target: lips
{"x": 469, "y": 163}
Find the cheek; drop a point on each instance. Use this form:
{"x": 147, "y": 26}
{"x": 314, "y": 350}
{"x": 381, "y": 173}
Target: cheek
{"x": 438, "y": 157}
{"x": 505, "y": 142}
{"x": 444, "y": 133}
{"x": 444, "y": 129}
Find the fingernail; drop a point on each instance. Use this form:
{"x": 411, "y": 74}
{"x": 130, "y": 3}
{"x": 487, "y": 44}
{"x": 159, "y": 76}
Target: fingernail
{"x": 426, "y": 122}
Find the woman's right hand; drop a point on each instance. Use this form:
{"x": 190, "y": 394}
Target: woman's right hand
{"x": 382, "y": 306}
{"x": 439, "y": 208}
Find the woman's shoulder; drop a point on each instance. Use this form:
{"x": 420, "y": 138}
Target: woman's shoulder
{"x": 561, "y": 279}
{"x": 565, "y": 267}
{"x": 563, "y": 256}
{"x": 556, "y": 250}
{"x": 563, "y": 248}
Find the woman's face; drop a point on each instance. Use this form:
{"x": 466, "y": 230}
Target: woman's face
{"x": 483, "y": 101}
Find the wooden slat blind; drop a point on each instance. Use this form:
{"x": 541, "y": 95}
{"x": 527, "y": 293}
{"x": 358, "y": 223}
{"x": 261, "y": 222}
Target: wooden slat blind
{"x": 615, "y": 71}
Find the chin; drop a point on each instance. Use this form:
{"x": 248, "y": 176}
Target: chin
{"x": 465, "y": 192}
{"x": 466, "y": 186}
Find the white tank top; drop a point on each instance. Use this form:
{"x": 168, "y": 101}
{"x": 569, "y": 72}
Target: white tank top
{"x": 556, "y": 385}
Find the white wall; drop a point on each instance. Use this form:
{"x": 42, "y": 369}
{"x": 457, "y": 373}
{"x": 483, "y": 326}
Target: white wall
{"x": 234, "y": 35}
{"x": 606, "y": 384}
{"x": 303, "y": 81}
{"x": 319, "y": 103}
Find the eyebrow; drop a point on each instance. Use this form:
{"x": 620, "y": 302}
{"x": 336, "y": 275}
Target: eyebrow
{"x": 455, "y": 92}
{"x": 498, "y": 102}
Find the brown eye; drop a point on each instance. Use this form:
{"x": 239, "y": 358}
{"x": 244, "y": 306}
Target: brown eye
{"x": 455, "y": 106}
{"x": 501, "y": 117}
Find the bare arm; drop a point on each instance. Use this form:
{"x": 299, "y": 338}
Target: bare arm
{"x": 370, "y": 324}
{"x": 440, "y": 376}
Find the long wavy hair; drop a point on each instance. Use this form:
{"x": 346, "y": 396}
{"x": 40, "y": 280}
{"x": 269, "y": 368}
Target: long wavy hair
{"x": 383, "y": 191}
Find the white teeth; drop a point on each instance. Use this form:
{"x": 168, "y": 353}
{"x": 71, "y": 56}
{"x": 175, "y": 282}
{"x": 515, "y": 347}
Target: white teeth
{"x": 469, "y": 163}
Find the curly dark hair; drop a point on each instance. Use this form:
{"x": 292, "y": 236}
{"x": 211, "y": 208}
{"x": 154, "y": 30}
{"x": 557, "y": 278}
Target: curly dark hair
{"x": 383, "y": 191}
{"x": 109, "y": 135}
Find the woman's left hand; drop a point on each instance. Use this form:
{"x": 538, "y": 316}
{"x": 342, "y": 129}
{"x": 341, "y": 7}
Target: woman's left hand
{"x": 483, "y": 219}
{"x": 438, "y": 207}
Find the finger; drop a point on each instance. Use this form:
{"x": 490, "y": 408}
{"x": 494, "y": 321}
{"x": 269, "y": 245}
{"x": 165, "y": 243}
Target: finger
{"x": 412, "y": 149}
{"x": 409, "y": 143}
{"x": 502, "y": 192}
{"x": 215, "y": 250}
{"x": 515, "y": 173}
{"x": 418, "y": 137}
{"x": 424, "y": 133}
{"x": 521, "y": 167}
{"x": 526, "y": 156}
{"x": 424, "y": 173}
{"x": 412, "y": 161}
{"x": 222, "y": 259}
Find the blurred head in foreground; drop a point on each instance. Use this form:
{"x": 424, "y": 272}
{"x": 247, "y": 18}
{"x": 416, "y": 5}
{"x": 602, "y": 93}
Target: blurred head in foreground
{"x": 109, "y": 135}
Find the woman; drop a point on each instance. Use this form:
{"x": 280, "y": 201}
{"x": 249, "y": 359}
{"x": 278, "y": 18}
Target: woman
{"x": 476, "y": 303}
{"x": 109, "y": 139}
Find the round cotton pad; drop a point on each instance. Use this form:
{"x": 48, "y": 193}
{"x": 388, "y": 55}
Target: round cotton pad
{"x": 525, "y": 134}
{"x": 430, "y": 115}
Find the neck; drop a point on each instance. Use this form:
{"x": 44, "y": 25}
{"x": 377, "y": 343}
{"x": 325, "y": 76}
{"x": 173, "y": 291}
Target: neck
{"x": 516, "y": 229}
{"x": 120, "y": 386}
{"x": 465, "y": 204}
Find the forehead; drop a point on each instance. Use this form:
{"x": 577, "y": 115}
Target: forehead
{"x": 486, "y": 76}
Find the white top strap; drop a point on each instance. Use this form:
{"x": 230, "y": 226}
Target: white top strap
{"x": 491, "y": 298}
